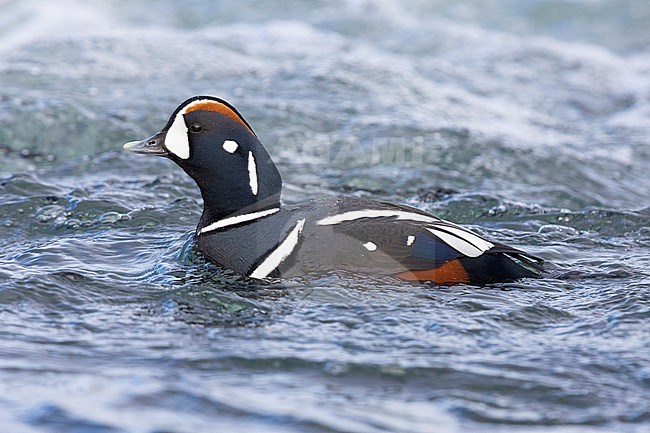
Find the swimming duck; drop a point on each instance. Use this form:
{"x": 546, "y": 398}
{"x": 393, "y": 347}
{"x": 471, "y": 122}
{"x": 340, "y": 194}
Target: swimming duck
{"x": 244, "y": 227}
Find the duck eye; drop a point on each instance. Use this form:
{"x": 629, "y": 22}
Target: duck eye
{"x": 196, "y": 127}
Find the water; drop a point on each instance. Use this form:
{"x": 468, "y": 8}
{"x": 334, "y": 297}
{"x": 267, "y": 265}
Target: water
{"x": 527, "y": 121}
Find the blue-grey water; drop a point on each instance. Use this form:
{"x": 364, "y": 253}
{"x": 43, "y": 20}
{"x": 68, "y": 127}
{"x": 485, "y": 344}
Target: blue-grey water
{"x": 528, "y": 121}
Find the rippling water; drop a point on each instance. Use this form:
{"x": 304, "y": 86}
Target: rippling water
{"x": 527, "y": 121}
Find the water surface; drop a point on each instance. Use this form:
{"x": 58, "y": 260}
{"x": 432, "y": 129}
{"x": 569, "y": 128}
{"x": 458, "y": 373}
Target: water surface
{"x": 527, "y": 121}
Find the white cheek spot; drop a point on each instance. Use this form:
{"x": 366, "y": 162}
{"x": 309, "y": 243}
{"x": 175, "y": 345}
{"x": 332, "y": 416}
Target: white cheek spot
{"x": 370, "y": 246}
{"x": 176, "y": 140}
{"x": 410, "y": 240}
{"x": 230, "y": 146}
{"x": 252, "y": 173}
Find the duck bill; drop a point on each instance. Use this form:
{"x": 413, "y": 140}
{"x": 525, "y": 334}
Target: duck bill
{"x": 149, "y": 146}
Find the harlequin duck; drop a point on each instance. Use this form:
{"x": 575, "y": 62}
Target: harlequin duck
{"x": 245, "y": 228}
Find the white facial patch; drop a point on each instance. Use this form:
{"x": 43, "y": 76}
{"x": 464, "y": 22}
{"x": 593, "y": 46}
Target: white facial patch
{"x": 176, "y": 140}
{"x": 230, "y": 146}
{"x": 370, "y": 246}
{"x": 252, "y": 173}
{"x": 409, "y": 240}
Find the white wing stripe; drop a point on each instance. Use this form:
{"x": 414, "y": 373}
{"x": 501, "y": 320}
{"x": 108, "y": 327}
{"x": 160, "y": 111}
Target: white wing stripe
{"x": 375, "y": 213}
{"x": 176, "y": 140}
{"x": 278, "y": 255}
{"x": 462, "y": 240}
{"x": 460, "y": 244}
{"x": 468, "y": 236}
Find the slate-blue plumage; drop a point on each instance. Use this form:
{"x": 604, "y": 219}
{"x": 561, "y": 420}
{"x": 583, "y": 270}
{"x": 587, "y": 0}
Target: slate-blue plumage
{"x": 245, "y": 228}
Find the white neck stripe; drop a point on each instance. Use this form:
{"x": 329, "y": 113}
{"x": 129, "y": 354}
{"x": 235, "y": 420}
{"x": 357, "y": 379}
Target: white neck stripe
{"x": 230, "y": 221}
{"x": 252, "y": 173}
{"x": 279, "y": 254}
{"x": 375, "y": 213}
